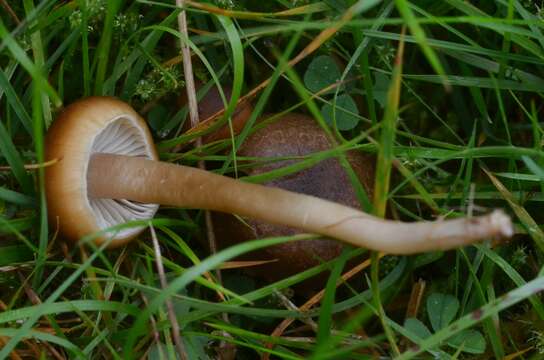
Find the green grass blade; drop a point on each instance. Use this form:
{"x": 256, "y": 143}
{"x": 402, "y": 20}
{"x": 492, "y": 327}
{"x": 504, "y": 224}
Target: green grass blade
{"x": 12, "y": 156}
{"x": 417, "y": 31}
{"x": 19, "y": 54}
{"x": 104, "y": 46}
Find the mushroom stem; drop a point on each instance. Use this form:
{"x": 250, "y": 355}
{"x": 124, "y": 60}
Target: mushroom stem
{"x": 149, "y": 181}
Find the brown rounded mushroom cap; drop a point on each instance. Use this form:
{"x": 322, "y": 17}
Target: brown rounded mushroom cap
{"x": 295, "y": 135}
{"x": 91, "y": 125}
{"x": 212, "y": 103}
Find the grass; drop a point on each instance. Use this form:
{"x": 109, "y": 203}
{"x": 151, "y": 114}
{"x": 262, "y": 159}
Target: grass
{"x": 453, "y": 120}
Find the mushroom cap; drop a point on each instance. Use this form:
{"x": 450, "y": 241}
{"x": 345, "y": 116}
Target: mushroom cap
{"x": 295, "y": 135}
{"x": 93, "y": 125}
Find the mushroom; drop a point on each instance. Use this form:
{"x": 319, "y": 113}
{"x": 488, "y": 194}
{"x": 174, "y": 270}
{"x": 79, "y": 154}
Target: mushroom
{"x": 107, "y": 173}
{"x": 294, "y": 136}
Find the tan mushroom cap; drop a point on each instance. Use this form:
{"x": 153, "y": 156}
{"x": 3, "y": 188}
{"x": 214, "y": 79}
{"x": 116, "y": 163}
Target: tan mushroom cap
{"x": 93, "y": 125}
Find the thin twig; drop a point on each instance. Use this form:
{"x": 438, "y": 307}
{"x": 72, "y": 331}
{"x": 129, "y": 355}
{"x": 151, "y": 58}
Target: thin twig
{"x": 155, "y": 330}
{"x": 193, "y": 111}
{"x": 169, "y": 306}
{"x": 415, "y": 299}
{"x": 194, "y": 118}
{"x": 10, "y": 11}
{"x": 32, "y": 166}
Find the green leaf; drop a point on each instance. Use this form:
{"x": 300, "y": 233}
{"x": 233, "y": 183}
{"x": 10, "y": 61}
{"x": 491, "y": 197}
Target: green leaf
{"x": 345, "y": 113}
{"x": 417, "y": 328}
{"x": 321, "y": 73}
{"x": 380, "y": 88}
{"x": 470, "y": 341}
{"x": 441, "y": 309}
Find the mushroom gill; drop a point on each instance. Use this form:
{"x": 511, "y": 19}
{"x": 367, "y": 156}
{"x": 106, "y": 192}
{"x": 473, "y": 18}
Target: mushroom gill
{"x": 121, "y": 136}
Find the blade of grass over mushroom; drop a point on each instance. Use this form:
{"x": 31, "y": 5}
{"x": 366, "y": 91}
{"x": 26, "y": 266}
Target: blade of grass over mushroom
{"x": 318, "y": 116}
{"x": 526, "y": 219}
{"x": 238, "y": 65}
{"x": 261, "y": 102}
{"x": 403, "y": 6}
{"x": 304, "y": 162}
